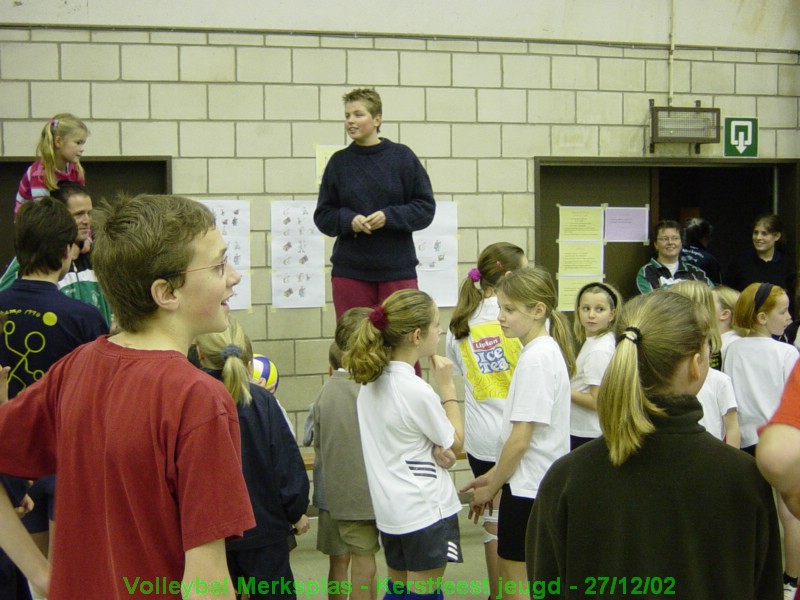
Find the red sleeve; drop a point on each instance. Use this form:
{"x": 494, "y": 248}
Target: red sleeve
{"x": 788, "y": 412}
{"x": 212, "y": 494}
{"x": 27, "y": 431}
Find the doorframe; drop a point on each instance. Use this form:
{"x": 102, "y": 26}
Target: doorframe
{"x": 786, "y": 183}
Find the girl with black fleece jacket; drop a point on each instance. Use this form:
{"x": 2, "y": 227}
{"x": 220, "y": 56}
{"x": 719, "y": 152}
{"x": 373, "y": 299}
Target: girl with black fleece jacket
{"x": 656, "y": 505}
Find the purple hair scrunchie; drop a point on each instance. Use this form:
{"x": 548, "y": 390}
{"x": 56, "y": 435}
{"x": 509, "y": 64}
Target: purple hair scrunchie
{"x": 474, "y": 274}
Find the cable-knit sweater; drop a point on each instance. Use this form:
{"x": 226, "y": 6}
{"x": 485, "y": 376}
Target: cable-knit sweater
{"x": 365, "y": 179}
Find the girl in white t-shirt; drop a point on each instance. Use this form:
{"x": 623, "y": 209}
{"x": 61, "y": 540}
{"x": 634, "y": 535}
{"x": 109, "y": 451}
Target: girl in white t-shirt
{"x": 596, "y": 307}
{"x": 759, "y": 367}
{"x": 717, "y": 396}
{"x": 535, "y": 429}
{"x": 724, "y": 300}
{"x": 486, "y": 358}
{"x": 409, "y": 436}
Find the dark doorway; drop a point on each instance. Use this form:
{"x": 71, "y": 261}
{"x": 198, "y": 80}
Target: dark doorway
{"x": 105, "y": 178}
{"x": 730, "y": 193}
{"x": 729, "y": 198}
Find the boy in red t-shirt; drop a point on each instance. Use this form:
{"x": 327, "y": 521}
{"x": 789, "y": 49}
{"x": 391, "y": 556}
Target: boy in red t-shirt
{"x": 145, "y": 446}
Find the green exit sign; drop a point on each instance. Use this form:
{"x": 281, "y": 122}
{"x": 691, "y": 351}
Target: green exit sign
{"x": 741, "y": 136}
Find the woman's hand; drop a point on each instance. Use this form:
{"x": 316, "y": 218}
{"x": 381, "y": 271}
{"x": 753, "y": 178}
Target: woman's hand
{"x": 359, "y": 224}
{"x": 376, "y": 220}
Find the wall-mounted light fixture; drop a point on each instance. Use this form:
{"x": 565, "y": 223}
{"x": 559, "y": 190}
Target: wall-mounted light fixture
{"x": 688, "y": 125}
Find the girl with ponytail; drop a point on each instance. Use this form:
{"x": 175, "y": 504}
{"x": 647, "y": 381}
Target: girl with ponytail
{"x": 486, "y": 358}
{"x": 271, "y": 462}
{"x": 535, "y": 428}
{"x": 59, "y": 154}
{"x": 678, "y": 510}
{"x": 760, "y": 366}
{"x": 409, "y": 435}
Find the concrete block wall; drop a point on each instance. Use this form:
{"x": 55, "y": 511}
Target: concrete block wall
{"x": 242, "y": 113}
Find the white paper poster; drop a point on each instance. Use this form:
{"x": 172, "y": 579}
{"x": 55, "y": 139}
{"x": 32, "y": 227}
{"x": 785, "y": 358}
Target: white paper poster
{"x": 437, "y": 252}
{"x": 298, "y": 255}
{"x": 628, "y": 224}
{"x": 233, "y": 222}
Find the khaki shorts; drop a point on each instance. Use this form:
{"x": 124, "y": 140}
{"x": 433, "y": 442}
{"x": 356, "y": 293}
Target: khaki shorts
{"x": 328, "y": 540}
{"x": 360, "y": 537}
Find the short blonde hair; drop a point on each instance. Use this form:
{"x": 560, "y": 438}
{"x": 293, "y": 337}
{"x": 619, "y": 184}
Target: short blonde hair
{"x": 347, "y": 324}
{"x": 369, "y": 96}
{"x": 727, "y": 296}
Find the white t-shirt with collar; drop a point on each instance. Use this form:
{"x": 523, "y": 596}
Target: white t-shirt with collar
{"x": 401, "y": 418}
{"x": 717, "y": 398}
{"x": 539, "y": 394}
{"x": 591, "y": 365}
{"x": 759, "y": 368}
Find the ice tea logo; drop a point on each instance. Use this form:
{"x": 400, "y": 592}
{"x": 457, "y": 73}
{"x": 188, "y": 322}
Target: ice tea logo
{"x": 490, "y": 355}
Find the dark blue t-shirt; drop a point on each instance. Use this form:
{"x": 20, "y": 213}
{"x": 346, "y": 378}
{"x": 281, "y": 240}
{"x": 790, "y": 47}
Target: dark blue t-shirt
{"x": 42, "y": 325}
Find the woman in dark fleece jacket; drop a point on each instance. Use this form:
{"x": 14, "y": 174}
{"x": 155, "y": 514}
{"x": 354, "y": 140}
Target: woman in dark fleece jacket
{"x": 273, "y": 470}
{"x": 374, "y": 195}
{"x": 656, "y": 506}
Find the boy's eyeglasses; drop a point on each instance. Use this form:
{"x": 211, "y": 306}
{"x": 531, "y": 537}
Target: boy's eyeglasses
{"x": 674, "y": 238}
{"x": 220, "y": 267}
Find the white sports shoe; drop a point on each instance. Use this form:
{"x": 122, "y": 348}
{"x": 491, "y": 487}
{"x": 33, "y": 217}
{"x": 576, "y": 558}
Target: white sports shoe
{"x": 789, "y": 591}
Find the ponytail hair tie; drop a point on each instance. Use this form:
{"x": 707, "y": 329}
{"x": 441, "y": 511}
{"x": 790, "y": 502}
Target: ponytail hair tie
{"x": 54, "y": 123}
{"x": 229, "y": 351}
{"x": 632, "y": 334}
{"x": 474, "y": 274}
{"x": 378, "y": 318}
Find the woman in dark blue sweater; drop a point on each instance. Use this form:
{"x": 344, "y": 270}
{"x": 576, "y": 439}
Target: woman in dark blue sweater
{"x": 374, "y": 195}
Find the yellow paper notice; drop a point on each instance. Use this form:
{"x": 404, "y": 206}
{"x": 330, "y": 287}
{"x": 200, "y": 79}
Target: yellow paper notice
{"x": 580, "y": 258}
{"x": 580, "y": 223}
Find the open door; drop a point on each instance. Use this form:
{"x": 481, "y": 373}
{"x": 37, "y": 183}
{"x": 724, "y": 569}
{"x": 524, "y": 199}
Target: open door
{"x": 729, "y": 193}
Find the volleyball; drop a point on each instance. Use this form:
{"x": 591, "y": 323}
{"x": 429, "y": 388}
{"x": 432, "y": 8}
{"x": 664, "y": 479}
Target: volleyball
{"x": 264, "y": 368}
